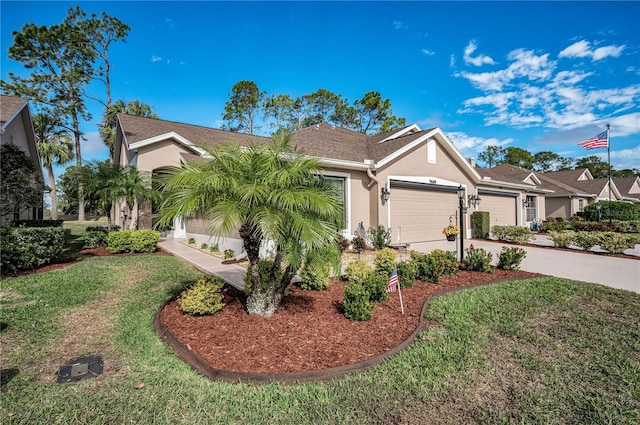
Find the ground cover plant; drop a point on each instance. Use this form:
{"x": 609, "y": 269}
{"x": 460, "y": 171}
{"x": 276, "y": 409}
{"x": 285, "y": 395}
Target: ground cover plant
{"x": 543, "y": 350}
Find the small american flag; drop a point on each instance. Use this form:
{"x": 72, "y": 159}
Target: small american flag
{"x": 393, "y": 281}
{"x": 599, "y": 141}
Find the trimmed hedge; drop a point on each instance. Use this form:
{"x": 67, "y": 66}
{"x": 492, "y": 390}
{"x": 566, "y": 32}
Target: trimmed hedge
{"x": 609, "y": 241}
{"x": 315, "y": 276}
{"x": 23, "y": 248}
{"x": 480, "y": 224}
{"x": 515, "y": 234}
{"x": 38, "y": 223}
{"x": 134, "y": 241}
{"x": 203, "y": 298}
{"x": 619, "y": 211}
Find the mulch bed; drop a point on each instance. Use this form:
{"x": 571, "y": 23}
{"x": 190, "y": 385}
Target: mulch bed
{"x": 308, "y": 332}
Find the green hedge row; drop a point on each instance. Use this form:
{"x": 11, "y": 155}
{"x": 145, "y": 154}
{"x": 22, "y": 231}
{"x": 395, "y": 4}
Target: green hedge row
{"x": 610, "y": 241}
{"x": 38, "y": 223}
{"x": 135, "y": 241}
{"x": 25, "y": 248}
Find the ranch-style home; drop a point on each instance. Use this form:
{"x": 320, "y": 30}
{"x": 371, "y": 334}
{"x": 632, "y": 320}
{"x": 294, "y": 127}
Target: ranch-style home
{"x": 418, "y": 170}
{"x": 16, "y": 128}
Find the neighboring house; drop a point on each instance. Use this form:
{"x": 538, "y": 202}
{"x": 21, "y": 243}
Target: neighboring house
{"x": 421, "y": 170}
{"x": 16, "y": 128}
{"x": 575, "y": 189}
{"x": 629, "y": 188}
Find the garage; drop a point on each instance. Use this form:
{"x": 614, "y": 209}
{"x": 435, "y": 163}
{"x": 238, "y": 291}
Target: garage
{"x": 502, "y": 207}
{"x": 419, "y": 212}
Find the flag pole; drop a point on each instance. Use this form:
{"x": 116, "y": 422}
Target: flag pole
{"x": 400, "y": 293}
{"x": 609, "y": 159}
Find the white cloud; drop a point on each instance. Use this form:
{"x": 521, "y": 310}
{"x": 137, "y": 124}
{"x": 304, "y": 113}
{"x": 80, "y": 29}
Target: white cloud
{"x": 399, "y": 25}
{"x": 92, "y": 147}
{"x": 471, "y": 145}
{"x": 428, "y": 52}
{"x": 452, "y": 61}
{"x": 625, "y": 158}
{"x": 478, "y": 60}
{"x": 582, "y": 49}
{"x": 156, "y": 58}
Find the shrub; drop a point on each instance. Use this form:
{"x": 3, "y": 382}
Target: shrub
{"x": 592, "y": 226}
{"x": 619, "y": 211}
{"x": 356, "y": 303}
{"x": 385, "y": 260}
{"x": 586, "y": 240}
{"x": 357, "y": 271}
{"x": 478, "y": 259}
{"x": 380, "y": 236}
{"x": 315, "y": 276}
{"x": 617, "y": 243}
{"x": 358, "y": 243}
{"x": 203, "y": 298}
{"x": 204, "y": 246}
{"x": 120, "y": 241}
{"x": 516, "y": 234}
{"x": 510, "y": 258}
{"x": 553, "y": 226}
{"x": 431, "y": 267}
{"x": 407, "y": 271}
{"x": 229, "y": 253}
{"x": 343, "y": 243}
{"x": 562, "y": 240}
{"x": 38, "y": 223}
{"x": 144, "y": 241}
{"x": 480, "y": 224}
{"x": 95, "y": 239}
{"x": 191, "y": 241}
{"x": 214, "y": 248}
{"x": 24, "y": 248}
{"x": 376, "y": 285}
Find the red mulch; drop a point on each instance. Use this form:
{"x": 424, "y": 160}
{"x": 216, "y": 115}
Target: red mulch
{"x": 308, "y": 331}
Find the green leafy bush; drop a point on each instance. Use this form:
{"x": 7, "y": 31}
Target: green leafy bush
{"x": 38, "y": 223}
{"x": 432, "y": 266}
{"x": 214, "y": 248}
{"x": 356, "y": 303}
{"x": 553, "y": 226}
{"x": 144, "y": 241}
{"x": 343, "y": 243}
{"x": 627, "y": 226}
{"x": 510, "y": 258}
{"x": 562, "y": 240}
{"x": 620, "y": 210}
{"x": 380, "y": 236}
{"x": 586, "y": 240}
{"x": 592, "y": 226}
{"x": 95, "y": 239}
{"x": 478, "y": 259}
{"x": 120, "y": 241}
{"x": 191, "y": 241}
{"x": 356, "y": 271}
{"x": 480, "y": 224}
{"x": 376, "y": 285}
{"x": 407, "y": 272}
{"x": 229, "y": 253}
{"x": 203, "y": 298}
{"x": 515, "y": 234}
{"x": 385, "y": 260}
{"x": 265, "y": 268}
{"x": 204, "y": 245}
{"x": 315, "y": 276}
{"x": 617, "y": 243}
{"x": 23, "y": 248}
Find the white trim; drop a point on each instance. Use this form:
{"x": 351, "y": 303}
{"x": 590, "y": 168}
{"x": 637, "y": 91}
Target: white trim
{"x": 413, "y": 128}
{"x": 341, "y": 163}
{"x": 346, "y": 232}
{"x": 15, "y": 114}
{"x": 166, "y": 136}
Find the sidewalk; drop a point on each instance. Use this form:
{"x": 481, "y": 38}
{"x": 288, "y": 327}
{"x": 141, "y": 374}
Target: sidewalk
{"x": 233, "y": 274}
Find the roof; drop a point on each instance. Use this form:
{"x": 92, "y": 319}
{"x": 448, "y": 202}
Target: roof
{"x": 321, "y": 140}
{"x": 10, "y": 106}
{"x": 625, "y": 184}
{"x": 569, "y": 176}
{"x": 508, "y": 173}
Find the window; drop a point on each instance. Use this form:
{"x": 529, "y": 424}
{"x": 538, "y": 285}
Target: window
{"x": 339, "y": 187}
{"x": 531, "y": 210}
{"x": 580, "y": 204}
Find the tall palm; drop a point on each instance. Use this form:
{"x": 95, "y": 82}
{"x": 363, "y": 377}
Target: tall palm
{"x": 268, "y": 192}
{"x": 107, "y": 127}
{"x": 55, "y": 148}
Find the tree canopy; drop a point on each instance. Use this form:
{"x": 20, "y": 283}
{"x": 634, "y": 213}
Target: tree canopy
{"x": 21, "y": 184}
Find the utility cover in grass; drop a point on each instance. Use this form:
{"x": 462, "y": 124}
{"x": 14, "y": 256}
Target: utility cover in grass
{"x": 80, "y": 368}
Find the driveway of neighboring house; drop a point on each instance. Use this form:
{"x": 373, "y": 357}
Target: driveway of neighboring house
{"x": 615, "y": 272}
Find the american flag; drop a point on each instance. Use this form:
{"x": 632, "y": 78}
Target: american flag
{"x": 599, "y": 141}
{"x": 393, "y": 281}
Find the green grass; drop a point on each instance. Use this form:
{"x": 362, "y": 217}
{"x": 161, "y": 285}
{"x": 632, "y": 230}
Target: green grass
{"x": 545, "y": 350}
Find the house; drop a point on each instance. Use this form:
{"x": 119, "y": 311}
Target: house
{"x": 575, "y": 189}
{"x": 629, "y": 188}
{"x": 420, "y": 171}
{"x": 16, "y": 128}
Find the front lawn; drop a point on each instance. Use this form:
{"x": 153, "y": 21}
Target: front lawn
{"x": 544, "y": 350}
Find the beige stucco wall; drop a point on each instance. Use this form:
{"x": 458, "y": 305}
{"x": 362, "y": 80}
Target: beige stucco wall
{"x": 161, "y": 154}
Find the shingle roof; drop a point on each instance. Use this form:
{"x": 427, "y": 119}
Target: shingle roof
{"x": 624, "y": 185}
{"x": 566, "y": 176}
{"x": 506, "y": 173}
{"x": 9, "y": 105}
{"x": 321, "y": 140}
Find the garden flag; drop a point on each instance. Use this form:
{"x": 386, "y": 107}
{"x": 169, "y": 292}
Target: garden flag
{"x": 393, "y": 281}
{"x": 393, "y": 284}
{"x": 597, "y": 142}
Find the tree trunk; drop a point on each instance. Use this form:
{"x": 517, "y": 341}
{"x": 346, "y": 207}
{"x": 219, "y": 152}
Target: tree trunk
{"x": 77, "y": 135}
{"x": 263, "y": 303}
{"x": 54, "y": 196}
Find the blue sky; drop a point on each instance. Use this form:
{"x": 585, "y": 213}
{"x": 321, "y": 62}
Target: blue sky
{"x": 536, "y": 75}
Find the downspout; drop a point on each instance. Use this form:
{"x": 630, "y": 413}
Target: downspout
{"x": 371, "y": 176}
{"x": 374, "y": 216}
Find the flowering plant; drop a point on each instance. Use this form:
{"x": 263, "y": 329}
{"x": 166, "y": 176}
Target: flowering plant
{"x": 450, "y": 230}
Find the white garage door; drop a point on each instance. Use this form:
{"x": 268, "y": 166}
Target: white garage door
{"x": 502, "y": 209}
{"x": 419, "y": 214}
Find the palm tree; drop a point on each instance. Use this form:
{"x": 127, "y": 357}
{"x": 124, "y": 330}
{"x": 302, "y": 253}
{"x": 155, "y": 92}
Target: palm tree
{"x": 271, "y": 194}
{"x": 107, "y": 127}
{"x": 55, "y": 147}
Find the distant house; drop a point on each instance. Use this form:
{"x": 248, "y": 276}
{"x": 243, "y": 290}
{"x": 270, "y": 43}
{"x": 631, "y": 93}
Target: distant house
{"x": 629, "y": 188}
{"x": 420, "y": 169}
{"x": 575, "y": 189}
{"x": 16, "y": 128}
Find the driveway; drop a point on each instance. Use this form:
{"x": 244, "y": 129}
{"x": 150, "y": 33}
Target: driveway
{"x": 621, "y": 273}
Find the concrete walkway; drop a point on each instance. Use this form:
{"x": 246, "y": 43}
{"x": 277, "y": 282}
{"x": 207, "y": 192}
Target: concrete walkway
{"x": 614, "y": 272}
{"x": 233, "y": 274}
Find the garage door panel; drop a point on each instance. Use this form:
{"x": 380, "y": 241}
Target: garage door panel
{"x": 502, "y": 209}
{"x": 420, "y": 215}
